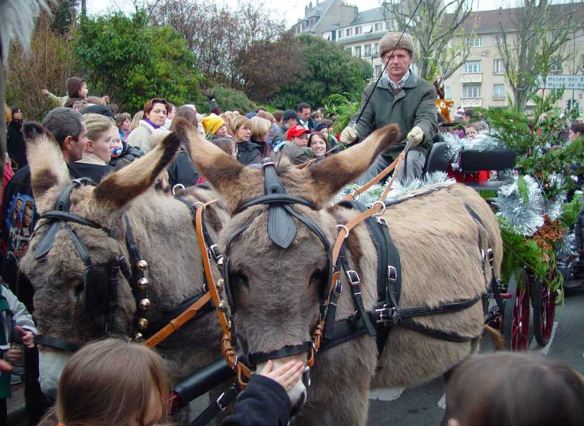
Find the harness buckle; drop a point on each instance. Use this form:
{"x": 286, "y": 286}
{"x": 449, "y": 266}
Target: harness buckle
{"x": 338, "y": 288}
{"x": 386, "y": 315}
{"x": 353, "y": 278}
{"x": 490, "y": 257}
{"x": 392, "y": 273}
{"x": 219, "y": 402}
{"x": 214, "y": 252}
{"x": 381, "y": 220}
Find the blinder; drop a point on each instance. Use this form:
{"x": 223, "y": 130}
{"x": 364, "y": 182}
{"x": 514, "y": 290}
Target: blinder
{"x": 100, "y": 280}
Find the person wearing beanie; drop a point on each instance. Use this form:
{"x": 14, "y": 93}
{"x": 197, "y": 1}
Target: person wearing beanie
{"x": 399, "y": 98}
{"x": 214, "y": 126}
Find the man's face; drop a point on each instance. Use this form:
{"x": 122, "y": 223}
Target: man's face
{"x": 291, "y": 123}
{"x": 301, "y": 140}
{"x": 398, "y": 63}
{"x": 78, "y": 146}
{"x": 304, "y": 113}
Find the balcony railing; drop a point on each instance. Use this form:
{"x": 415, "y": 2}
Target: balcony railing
{"x": 471, "y": 78}
{"x": 471, "y": 102}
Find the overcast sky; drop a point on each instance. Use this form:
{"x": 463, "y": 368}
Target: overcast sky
{"x": 289, "y": 10}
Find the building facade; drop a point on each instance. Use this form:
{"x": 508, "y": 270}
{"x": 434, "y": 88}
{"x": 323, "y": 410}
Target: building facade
{"x": 479, "y": 82}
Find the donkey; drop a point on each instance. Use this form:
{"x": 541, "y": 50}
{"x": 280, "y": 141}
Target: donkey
{"x": 276, "y": 292}
{"x": 163, "y": 231}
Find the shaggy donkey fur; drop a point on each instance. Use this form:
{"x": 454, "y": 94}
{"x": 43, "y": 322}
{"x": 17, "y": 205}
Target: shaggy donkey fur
{"x": 277, "y": 291}
{"x": 164, "y": 232}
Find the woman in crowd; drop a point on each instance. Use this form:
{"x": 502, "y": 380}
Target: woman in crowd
{"x": 317, "y": 143}
{"x": 260, "y": 128}
{"x": 14, "y": 139}
{"x": 123, "y": 121}
{"x": 248, "y": 152}
{"x": 155, "y": 112}
{"x": 214, "y": 127}
{"x": 136, "y": 121}
{"x": 97, "y": 154}
{"x": 514, "y": 389}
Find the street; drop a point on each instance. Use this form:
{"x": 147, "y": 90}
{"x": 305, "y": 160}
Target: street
{"x": 420, "y": 406}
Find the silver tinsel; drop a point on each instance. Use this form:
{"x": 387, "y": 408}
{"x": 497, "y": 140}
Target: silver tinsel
{"x": 397, "y": 190}
{"x": 455, "y": 145}
{"x": 554, "y": 206}
{"x": 524, "y": 212}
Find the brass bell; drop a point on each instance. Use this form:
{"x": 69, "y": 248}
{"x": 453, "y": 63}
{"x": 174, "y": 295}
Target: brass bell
{"x": 142, "y": 264}
{"x": 220, "y": 261}
{"x": 145, "y": 303}
{"x": 143, "y": 283}
{"x": 143, "y": 323}
{"x": 220, "y": 284}
{"x": 222, "y": 306}
{"x": 138, "y": 337}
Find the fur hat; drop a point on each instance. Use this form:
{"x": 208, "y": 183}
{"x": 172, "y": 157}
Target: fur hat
{"x": 389, "y": 42}
{"x": 212, "y": 123}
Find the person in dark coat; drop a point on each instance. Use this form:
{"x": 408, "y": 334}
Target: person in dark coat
{"x": 400, "y": 98}
{"x": 248, "y": 152}
{"x": 14, "y": 140}
{"x": 264, "y": 402}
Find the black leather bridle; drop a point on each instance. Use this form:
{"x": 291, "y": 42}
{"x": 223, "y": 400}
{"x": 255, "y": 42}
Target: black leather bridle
{"x": 282, "y": 232}
{"x": 101, "y": 280}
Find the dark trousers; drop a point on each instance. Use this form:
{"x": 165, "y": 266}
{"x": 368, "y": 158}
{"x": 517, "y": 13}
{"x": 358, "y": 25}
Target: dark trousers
{"x": 36, "y": 402}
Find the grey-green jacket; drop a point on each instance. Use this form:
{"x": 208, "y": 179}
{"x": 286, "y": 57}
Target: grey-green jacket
{"x": 412, "y": 106}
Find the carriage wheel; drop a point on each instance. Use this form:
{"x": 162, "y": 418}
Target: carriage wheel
{"x": 544, "y": 311}
{"x": 516, "y": 313}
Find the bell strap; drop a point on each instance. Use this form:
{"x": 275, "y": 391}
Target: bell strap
{"x": 242, "y": 371}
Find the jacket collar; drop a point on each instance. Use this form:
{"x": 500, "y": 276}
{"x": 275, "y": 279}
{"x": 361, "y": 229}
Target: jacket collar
{"x": 410, "y": 83}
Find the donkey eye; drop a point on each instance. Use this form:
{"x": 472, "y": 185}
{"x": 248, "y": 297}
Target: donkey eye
{"x": 317, "y": 279}
{"x": 238, "y": 280}
{"x": 78, "y": 291}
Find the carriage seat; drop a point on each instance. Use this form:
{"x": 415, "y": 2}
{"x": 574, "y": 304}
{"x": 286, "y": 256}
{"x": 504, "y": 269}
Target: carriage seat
{"x": 498, "y": 160}
{"x": 437, "y": 159}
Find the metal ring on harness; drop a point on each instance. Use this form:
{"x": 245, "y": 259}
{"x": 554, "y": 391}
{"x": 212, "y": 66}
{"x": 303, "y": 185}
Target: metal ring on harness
{"x": 346, "y": 230}
{"x": 382, "y": 204}
{"x": 177, "y": 187}
{"x": 355, "y": 195}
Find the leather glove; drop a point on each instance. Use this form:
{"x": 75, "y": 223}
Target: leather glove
{"x": 416, "y": 135}
{"x": 348, "y": 135}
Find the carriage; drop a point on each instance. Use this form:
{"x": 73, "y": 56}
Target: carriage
{"x": 524, "y": 306}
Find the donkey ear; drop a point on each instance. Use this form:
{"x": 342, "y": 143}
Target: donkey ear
{"x": 47, "y": 165}
{"x": 122, "y": 186}
{"x": 330, "y": 175}
{"x": 235, "y": 182}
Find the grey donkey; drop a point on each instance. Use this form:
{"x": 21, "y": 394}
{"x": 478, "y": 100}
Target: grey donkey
{"x": 164, "y": 233}
{"x": 277, "y": 291}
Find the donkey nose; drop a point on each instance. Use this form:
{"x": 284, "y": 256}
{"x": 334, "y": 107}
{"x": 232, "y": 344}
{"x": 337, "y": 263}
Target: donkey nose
{"x": 298, "y": 404}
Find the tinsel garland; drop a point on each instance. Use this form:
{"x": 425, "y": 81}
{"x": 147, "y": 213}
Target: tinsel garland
{"x": 398, "y": 190}
{"x": 521, "y": 203}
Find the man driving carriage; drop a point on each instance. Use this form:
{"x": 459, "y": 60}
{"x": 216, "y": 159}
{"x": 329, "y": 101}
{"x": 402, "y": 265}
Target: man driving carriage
{"x": 400, "y": 98}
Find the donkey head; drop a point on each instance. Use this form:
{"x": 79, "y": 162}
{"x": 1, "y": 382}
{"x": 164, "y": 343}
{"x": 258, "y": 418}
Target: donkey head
{"x": 54, "y": 265}
{"x": 276, "y": 292}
